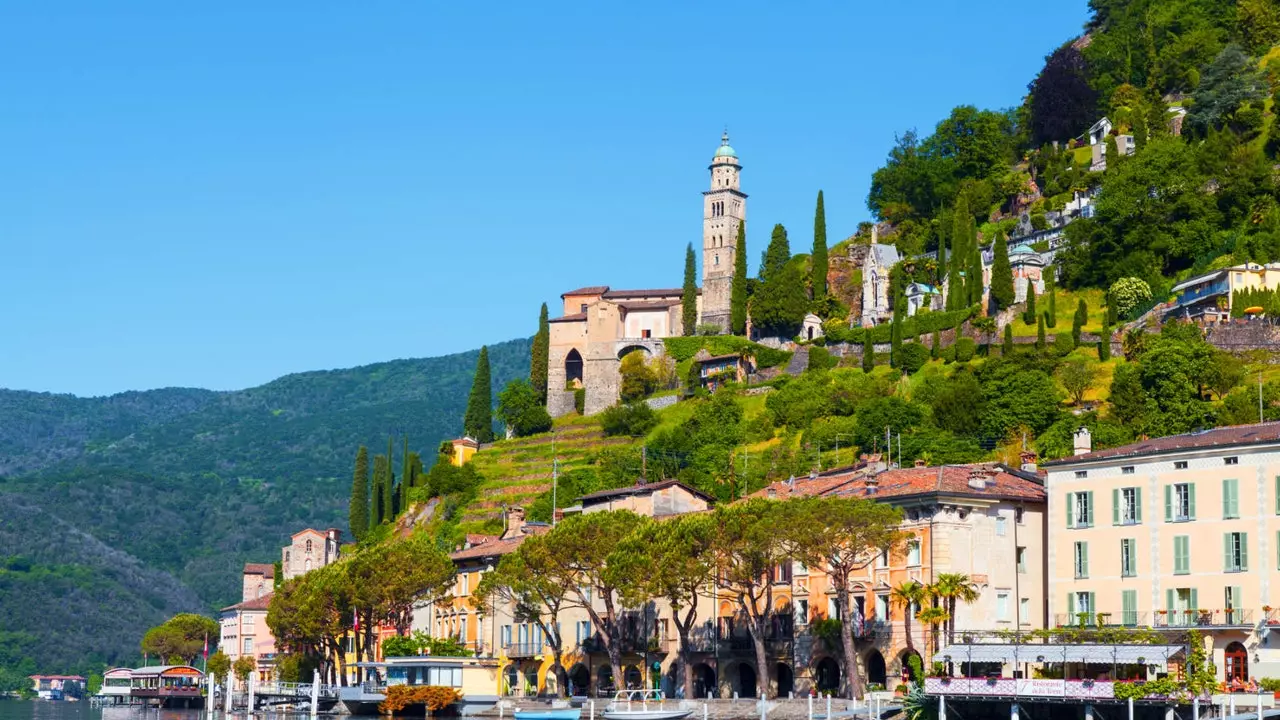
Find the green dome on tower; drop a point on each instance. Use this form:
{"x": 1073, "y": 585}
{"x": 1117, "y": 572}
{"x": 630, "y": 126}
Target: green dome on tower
{"x": 725, "y": 150}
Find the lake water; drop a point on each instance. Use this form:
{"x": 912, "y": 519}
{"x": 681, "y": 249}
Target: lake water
{"x": 45, "y": 710}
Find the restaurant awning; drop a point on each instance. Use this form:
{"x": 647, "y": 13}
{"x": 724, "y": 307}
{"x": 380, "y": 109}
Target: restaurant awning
{"x": 1094, "y": 654}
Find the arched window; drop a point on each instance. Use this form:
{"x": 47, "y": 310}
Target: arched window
{"x": 308, "y": 546}
{"x": 717, "y": 259}
{"x": 259, "y": 589}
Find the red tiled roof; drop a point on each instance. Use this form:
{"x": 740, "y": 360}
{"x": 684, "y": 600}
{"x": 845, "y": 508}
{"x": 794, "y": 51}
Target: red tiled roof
{"x": 498, "y": 547}
{"x": 1230, "y": 436}
{"x": 576, "y": 317}
{"x": 644, "y": 489}
{"x": 261, "y": 603}
{"x": 588, "y": 290}
{"x": 643, "y": 305}
{"x": 1001, "y": 482}
{"x": 265, "y": 569}
{"x": 465, "y": 440}
{"x": 474, "y": 539}
{"x": 649, "y": 293}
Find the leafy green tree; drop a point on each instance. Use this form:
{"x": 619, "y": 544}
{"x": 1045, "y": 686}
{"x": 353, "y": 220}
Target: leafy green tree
{"x": 633, "y": 419}
{"x": 1077, "y": 375}
{"x": 1017, "y": 394}
{"x": 1078, "y": 320}
{"x": 818, "y": 260}
{"x": 1259, "y": 25}
{"x": 843, "y": 535}
{"x": 1224, "y": 373}
{"x": 1127, "y": 294}
{"x": 689, "y": 295}
{"x": 738, "y": 290}
{"x": 180, "y": 638}
{"x": 243, "y": 667}
{"x": 1061, "y": 100}
{"x": 218, "y": 666}
{"x": 358, "y": 508}
{"x": 539, "y": 355}
{"x": 1040, "y": 342}
{"x": 668, "y": 558}
{"x": 520, "y": 409}
{"x": 779, "y": 305}
{"x": 1129, "y": 401}
{"x": 638, "y": 379}
{"x": 1002, "y": 294}
{"x": 957, "y": 404}
{"x": 777, "y": 255}
{"x": 1111, "y": 153}
{"x": 478, "y": 421}
{"x": 1007, "y": 347}
{"x": 1230, "y": 81}
{"x": 868, "y": 352}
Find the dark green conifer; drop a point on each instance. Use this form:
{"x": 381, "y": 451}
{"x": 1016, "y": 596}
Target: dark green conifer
{"x": 1040, "y": 342}
{"x": 379, "y": 496}
{"x": 1002, "y": 294}
{"x": 1029, "y": 315}
{"x": 1051, "y": 286}
{"x": 895, "y": 343}
{"x": 974, "y": 275}
{"x": 1007, "y": 347}
{"x": 1104, "y": 344}
{"x": 1078, "y": 321}
{"x": 777, "y": 254}
{"x": 935, "y": 348}
{"x": 406, "y": 475}
{"x": 738, "y": 290}
{"x": 818, "y": 259}
{"x": 538, "y": 355}
{"x": 689, "y": 295}
{"x": 942, "y": 264}
{"x": 477, "y": 423}
{"x": 868, "y": 351}
{"x": 358, "y": 509}
{"x": 391, "y": 495}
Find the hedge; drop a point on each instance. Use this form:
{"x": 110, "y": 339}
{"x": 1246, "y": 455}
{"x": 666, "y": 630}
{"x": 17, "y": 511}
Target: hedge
{"x": 915, "y": 326}
{"x": 684, "y": 348}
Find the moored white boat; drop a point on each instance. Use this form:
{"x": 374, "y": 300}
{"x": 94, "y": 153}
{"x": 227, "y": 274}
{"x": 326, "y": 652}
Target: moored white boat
{"x": 644, "y": 705}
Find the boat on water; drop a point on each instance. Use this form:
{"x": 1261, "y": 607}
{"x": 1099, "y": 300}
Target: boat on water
{"x": 565, "y": 713}
{"x": 645, "y": 705}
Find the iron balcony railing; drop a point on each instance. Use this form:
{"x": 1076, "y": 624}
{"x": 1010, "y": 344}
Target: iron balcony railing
{"x": 1231, "y": 617}
{"x": 523, "y": 650}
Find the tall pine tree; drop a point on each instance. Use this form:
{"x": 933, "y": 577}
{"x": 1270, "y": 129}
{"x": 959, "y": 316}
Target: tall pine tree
{"x": 1007, "y": 347}
{"x": 957, "y": 289}
{"x": 942, "y": 263}
{"x": 818, "y": 260}
{"x": 538, "y": 355}
{"x": 689, "y": 294}
{"x": 406, "y": 475}
{"x": 478, "y": 420}
{"x": 1052, "y": 317}
{"x": 358, "y": 509}
{"x": 973, "y": 275}
{"x": 379, "y": 497}
{"x": 389, "y": 485}
{"x": 1104, "y": 343}
{"x": 1029, "y": 314}
{"x": 1078, "y": 320}
{"x": 777, "y": 254}
{"x": 868, "y": 351}
{"x": 738, "y": 290}
{"x": 1002, "y": 294}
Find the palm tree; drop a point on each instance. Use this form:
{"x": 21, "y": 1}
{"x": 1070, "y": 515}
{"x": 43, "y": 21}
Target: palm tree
{"x": 933, "y": 616}
{"x": 909, "y": 595}
{"x": 951, "y": 588}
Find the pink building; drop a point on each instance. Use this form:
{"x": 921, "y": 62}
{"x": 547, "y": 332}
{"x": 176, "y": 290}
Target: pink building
{"x": 244, "y": 630}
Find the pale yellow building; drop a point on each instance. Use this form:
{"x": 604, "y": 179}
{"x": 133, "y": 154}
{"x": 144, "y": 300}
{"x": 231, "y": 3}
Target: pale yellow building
{"x": 1174, "y": 532}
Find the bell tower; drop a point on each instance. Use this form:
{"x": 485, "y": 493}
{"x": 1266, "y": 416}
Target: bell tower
{"x": 724, "y": 207}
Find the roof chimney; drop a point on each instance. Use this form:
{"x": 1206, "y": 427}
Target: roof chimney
{"x": 978, "y": 477}
{"x": 771, "y": 492}
{"x": 515, "y": 523}
{"x": 919, "y": 462}
{"x": 1028, "y": 459}
{"x": 1083, "y": 441}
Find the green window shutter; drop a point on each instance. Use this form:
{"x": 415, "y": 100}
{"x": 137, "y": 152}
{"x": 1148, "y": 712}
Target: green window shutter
{"x": 1226, "y": 551}
{"x": 1137, "y": 504}
{"x": 1226, "y": 498}
{"x": 1071, "y": 608}
{"x": 1191, "y": 512}
{"x": 1168, "y": 601}
{"x": 1084, "y": 559}
{"x": 1181, "y": 554}
{"x": 1278, "y": 494}
{"x": 1129, "y": 607}
{"x": 1195, "y": 601}
{"x": 1278, "y": 549}
{"x": 1089, "y": 508}
{"x": 1244, "y": 551}
{"x": 1115, "y": 506}
{"x": 1071, "y": 515}
{"x": 1093, "y": 605}
{"x": 1237, "y": 596}
{"x": 1168, "y": 503}
{"x": 1230, "y": 498}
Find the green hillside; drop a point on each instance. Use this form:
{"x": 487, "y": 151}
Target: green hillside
{"x": 181, "y": 487}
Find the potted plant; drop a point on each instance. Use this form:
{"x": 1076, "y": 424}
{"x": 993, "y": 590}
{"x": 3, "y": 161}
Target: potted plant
{"x": 1271, "y": 685}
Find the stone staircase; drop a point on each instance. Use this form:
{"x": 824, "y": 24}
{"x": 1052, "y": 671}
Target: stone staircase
{"x": 799, "y": 361}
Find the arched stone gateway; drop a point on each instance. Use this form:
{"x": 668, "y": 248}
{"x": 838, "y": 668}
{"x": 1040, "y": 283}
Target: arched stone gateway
{"x": 579, "y": 680}
{"x": 904, "y": 662}
{"x": 786, "y": 679}
{"x": 827, "y": 673}
{"x": 604, "y": 680}
{"x": 635, "y": 678}
{"x": 627, "y": 350}
{"x": 742, "y": 679}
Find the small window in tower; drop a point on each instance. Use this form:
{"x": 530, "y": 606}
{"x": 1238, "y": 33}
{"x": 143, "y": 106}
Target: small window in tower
{"x": 717, "y": 262}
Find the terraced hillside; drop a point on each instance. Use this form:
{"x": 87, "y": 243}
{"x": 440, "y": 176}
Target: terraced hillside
{"x": 517, "y": 472}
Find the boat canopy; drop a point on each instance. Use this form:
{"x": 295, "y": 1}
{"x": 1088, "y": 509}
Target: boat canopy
{"x": 1093, "y": 654}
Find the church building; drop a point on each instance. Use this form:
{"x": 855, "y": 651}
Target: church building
{"x": 600, "y": 325}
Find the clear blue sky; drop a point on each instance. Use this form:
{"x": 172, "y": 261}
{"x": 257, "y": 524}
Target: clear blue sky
{"x": 215, "y": 195}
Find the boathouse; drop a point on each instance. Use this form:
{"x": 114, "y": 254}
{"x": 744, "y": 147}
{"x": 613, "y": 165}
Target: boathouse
{"x": 168, "y": 685}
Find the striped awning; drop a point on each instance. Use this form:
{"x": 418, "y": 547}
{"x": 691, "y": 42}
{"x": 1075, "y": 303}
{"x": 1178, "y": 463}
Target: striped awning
{"x": 1093, "y": 654}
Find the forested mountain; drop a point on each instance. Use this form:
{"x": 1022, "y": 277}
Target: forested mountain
{"x": 122, "y": 510}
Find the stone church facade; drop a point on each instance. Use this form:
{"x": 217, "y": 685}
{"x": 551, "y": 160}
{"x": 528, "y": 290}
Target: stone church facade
{"x": 600, "y": 325}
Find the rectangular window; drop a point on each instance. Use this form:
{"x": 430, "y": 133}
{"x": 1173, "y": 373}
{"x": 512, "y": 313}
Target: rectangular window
{"x": 1129, "y": 608}
{"x": 913, "y": 552}
{"x": 802, "y": 611}
{"x": 1080, "y": 509}
{"x": 882, "y": 607}
{"x": 463, "y": 584}
{"x": 882, "y": 560}
{"x": 1181, "y": 554}
{"x": 1128, "y": 557}
{"x": 1081, "y": 474}
{"x": 1126, "y": 506}
{"x": 248, "y": 622}
{"x": 1231, "y": 498}
{"x": 1000, "y": 527}
{"x": 1180, "y": 502}
{"x": 1082, "y": 560}
{"x": 1126, "y": 470}
{"x": 248, "y": 646}
{"x": 1081, "y": 603}
{"x": 1002, "y": 607}
{"x": 1235, "y": 552}
{"x": 1180, "y": 465}
{"x": 1024, "y": 611}
{"x": 646, "y": 333}
{"x": 1020, "y": 513}
{"x": 1233, "y": 460}
{"x": 1022, "y": 560}
{"x": 505, "y": 635}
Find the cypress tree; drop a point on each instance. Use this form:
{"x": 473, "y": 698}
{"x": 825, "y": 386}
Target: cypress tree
{"x": 1040, "y": 333}
{"x": 777, "y": 254}
{"x": 1007, "y": 347}
{"x": 868, "y": 351}
{"x": 1104, "y": 344}
{"x": 738, "y": 291}
{"x": 819, "y": 257}
{"x": 1077, "y": 322}
{"x": 974, "y": 276}
{"x": 406, "y": 475}
{"x": 389, "y": 486}
{"x": 1029, "y": 315}
{"x": 689, "y": 296}
{"x": 1002, "y": 294}
{"x": 1053, "y": 300}
{"x": 942, "y": 264}
{"x": 379, "y": 496}
{"x": 538, "y": 355}
{"x": 936, "y": 347}
{"x": 358, "y": 510}
{"x": 895, "y": 343}
{"x": 478, "y": 420}
{"x": 957, "y": 289}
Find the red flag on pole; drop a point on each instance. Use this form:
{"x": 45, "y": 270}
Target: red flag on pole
{"x": 206, "y": 645}
{"x": 355, "y": 625}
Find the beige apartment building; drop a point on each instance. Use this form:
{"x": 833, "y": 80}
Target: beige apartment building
{"x": 1174, "y": 532}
